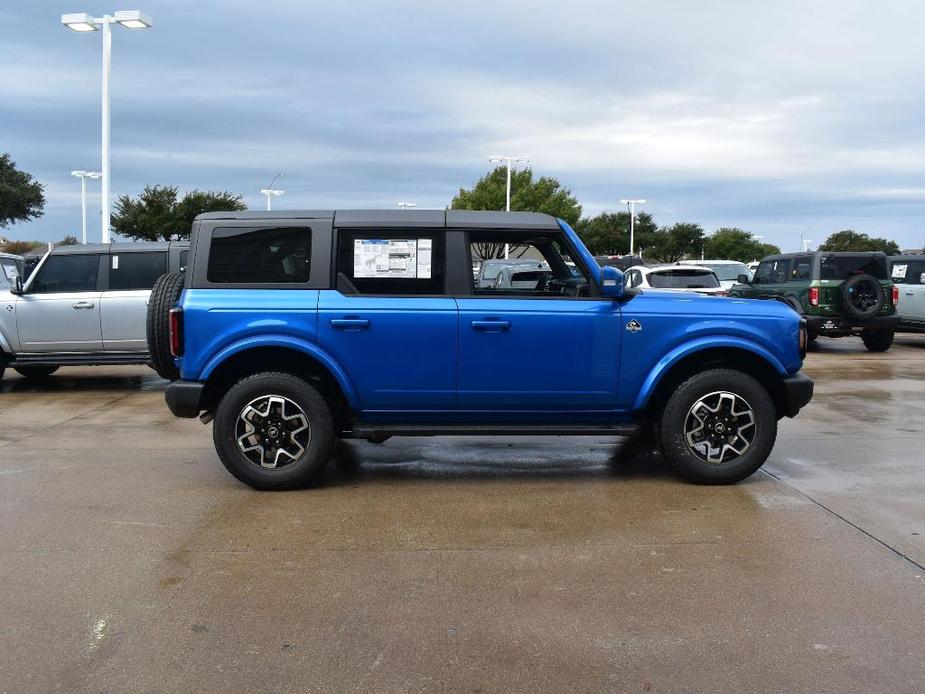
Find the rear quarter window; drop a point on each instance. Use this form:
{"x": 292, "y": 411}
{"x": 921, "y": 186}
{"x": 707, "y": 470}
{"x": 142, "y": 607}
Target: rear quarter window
{"x": 259, "y": 256}
{"x": 842, "y": 267}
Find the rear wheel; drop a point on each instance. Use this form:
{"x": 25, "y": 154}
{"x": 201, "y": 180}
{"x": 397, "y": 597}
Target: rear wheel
{"x": 35, "y": 373}
{"x": 718, "y": 427}
{"x": 877, "y": 340}
{"x": 164, "y": 296}
{"x": 273, "y": 431}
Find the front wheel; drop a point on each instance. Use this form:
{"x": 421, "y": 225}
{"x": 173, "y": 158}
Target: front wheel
{"x": 36, "y": 373}
{"x": 273, "y": 431}
{"x": 877, "y": 340}
{"x": 719, "y": 427}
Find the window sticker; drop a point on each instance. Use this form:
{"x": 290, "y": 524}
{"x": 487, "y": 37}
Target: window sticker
{"x": 115, "y": 262}
{"x": 9, "y": 270}
{"x": 392, "y": 258}
{"x": 899, "y": 271}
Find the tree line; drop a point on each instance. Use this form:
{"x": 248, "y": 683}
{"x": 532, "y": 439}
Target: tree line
{"x": 159, "y": 212}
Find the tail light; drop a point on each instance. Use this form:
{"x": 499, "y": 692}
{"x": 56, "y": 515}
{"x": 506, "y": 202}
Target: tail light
{"x": 722, "y": 293}
{"x": 176, "y": 332}
{"x": 814, "y": 296}
{"x": 895, "y": 295}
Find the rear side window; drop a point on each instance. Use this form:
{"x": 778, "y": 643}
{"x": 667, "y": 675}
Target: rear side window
{"x": 391, "y": 262}
{"x": 135, "y": 270}
{"x": 683, "y": 279}
{"x": 772, "y": 272}
{"x": 260, "y": 256}
{"x": 840, "y": 267}
{"x": 67, "y": 273}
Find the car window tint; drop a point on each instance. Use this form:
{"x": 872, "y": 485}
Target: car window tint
{"x": 392, "y": 261}
{"x": 839, "y": 267}
{"x": 802, "y": 268}
{"x": 683, "y": 279}
{"x": 67, "y": 273}
{"x": 260, "y": 256}
{"x": 135, "y": 270}
{"x": 771, "y": 272}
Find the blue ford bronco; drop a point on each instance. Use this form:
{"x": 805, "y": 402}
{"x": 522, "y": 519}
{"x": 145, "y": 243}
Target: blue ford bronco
{"x": 289, "y": 330}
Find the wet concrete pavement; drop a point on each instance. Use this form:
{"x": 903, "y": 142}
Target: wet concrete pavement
{"x": 131, "y": 561}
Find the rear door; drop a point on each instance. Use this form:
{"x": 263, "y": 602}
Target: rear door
{"x": 124, "y": 302}
{"x": 389, "y": 321}
{"x": 60, "y": 311}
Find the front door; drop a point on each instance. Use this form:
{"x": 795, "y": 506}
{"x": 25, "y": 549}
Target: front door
{"x": 389, "y": 321}
{"x": 548, "y": 347}
{"x": 60, "y": 309}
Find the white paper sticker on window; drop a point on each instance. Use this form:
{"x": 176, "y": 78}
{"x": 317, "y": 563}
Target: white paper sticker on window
{"x": 899, "y": 272}
{"x": 392, "y": 258}
{"x": 115, "y": 262}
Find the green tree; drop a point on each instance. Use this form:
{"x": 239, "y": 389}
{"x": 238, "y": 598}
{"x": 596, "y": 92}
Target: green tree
{"x": 732, "y": 243}
{"x": 21, "y": 196}
{"x": 672, "y": 243}
{"x": 69, "y": 240}
{"x": 545, "y": 194}
{"x": 20, "y": 247}
{"x": 608, "y": 233}
{"x": 849, "y": 240}
{"x": 158, "y": 215}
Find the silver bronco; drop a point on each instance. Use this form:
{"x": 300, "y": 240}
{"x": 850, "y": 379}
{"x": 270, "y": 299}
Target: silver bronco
{"x": 83, "y": 305}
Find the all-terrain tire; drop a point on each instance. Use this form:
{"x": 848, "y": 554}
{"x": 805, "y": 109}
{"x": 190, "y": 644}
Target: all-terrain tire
{"x": 164, "y": 296}
{"x": 254, "y": 392}
{"x": 35, "y": 373}
{"x": 862, "y": 296}
{"x": 877, "y": 340}
{"x": 678, "y": 421}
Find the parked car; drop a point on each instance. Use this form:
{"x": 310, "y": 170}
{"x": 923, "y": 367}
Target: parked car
{"x": 752, "y": 266}
{"x": 908, "y": 274}
{"x": 838, "y": 294}
{"x": 490, "y": 269}
{"x": 727, "y": 271}
{"x": 11, "y": 267}
{"x": 84, "y": 305}
{"x": 291, "y": 329}
{"x": 524, "y": 276}
{"x": 676, "y": 278}
{"x": 621, "y": 262}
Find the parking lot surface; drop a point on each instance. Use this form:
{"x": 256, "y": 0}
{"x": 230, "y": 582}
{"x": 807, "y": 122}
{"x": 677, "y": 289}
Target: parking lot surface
{"x": 131, "y": 561}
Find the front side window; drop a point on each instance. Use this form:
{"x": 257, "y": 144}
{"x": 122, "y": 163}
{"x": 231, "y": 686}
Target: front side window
{"x": 683, "y": 279}
{"x": 129, "y": 271}
{"x": 260, "y": 256}
{"x": 520, "y": 265}
{"x": 392, "y": 262}
{"x": 772, "y": 272}
{"x": 67, "y": 273}
{"x": 9, "y": 271}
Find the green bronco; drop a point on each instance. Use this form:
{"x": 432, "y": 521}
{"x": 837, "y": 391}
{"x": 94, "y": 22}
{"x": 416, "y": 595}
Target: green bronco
{"x": 838, "y": 294}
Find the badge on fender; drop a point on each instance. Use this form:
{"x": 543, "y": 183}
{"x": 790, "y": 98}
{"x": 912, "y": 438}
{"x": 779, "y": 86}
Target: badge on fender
{"x": 634, "y": 326}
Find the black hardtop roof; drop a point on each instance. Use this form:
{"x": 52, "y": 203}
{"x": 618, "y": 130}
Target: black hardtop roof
{"x": 451, "y": 219}
{"x": 118, "y": 247}
{"x": 837, "y": 254}
{"x": 909, "y": 257}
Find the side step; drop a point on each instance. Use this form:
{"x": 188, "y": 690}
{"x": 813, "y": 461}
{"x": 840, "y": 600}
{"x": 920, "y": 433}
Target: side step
{"x": 381, "y": 431}
{"x": 79, "y": 359}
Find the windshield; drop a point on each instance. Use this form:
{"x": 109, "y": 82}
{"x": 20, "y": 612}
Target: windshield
{"x": 839, "y": 267}
{"x": 683, "y": 279}
{"x": 728, "y": 271}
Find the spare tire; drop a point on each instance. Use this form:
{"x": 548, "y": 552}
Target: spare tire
{"x": 862, "y": 296}
{"x": 164, "y": 296}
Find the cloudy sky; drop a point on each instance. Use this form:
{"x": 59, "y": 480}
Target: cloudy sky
{"x": 779, "y": 116}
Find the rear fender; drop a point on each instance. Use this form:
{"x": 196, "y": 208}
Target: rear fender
{"x": 286, "y": 341}
{"x": 687, "y": 349}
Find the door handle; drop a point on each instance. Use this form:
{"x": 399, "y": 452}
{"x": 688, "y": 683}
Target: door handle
{"x": 83, "y": 304}
{"x": 910, "y": 293}
{"x": 350, "y": 323}
{"x": 494, "y": 326}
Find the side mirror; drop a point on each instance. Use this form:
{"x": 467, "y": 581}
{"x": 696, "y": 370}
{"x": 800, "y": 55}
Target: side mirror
{"x": 611, "y": 282}
{"x": 743, "y": 279}
{"x": 17, "y": 286}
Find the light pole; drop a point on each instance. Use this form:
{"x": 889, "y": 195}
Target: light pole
{"x": 82, "y": 22}
{"x": 271, "y": 192}
{"x": 632, "y": 208}
{"x": 804, "y": 243}
{"x": 507, "y": 205}
{"x": 405, "y": 205}
{"x": 83, "y": 176}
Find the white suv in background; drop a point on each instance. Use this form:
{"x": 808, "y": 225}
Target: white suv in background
{"x": 727, "y": 271}
{"x": 678, "y": 278}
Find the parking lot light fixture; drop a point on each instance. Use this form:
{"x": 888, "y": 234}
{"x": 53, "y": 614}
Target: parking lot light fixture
{"x": 83, "y": 22}
{"x": 632, "y": 208}
{"x": 83, "y": 176}
{"x": 272, "y": 192}
{"x": 507, "y": 205}
{"x": 405, "y": 205}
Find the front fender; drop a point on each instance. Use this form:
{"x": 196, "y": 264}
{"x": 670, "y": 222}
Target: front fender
{"x": 688, "y": 348}
{"x": 7, "y": 324}
{"x": 286, "y": 341}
